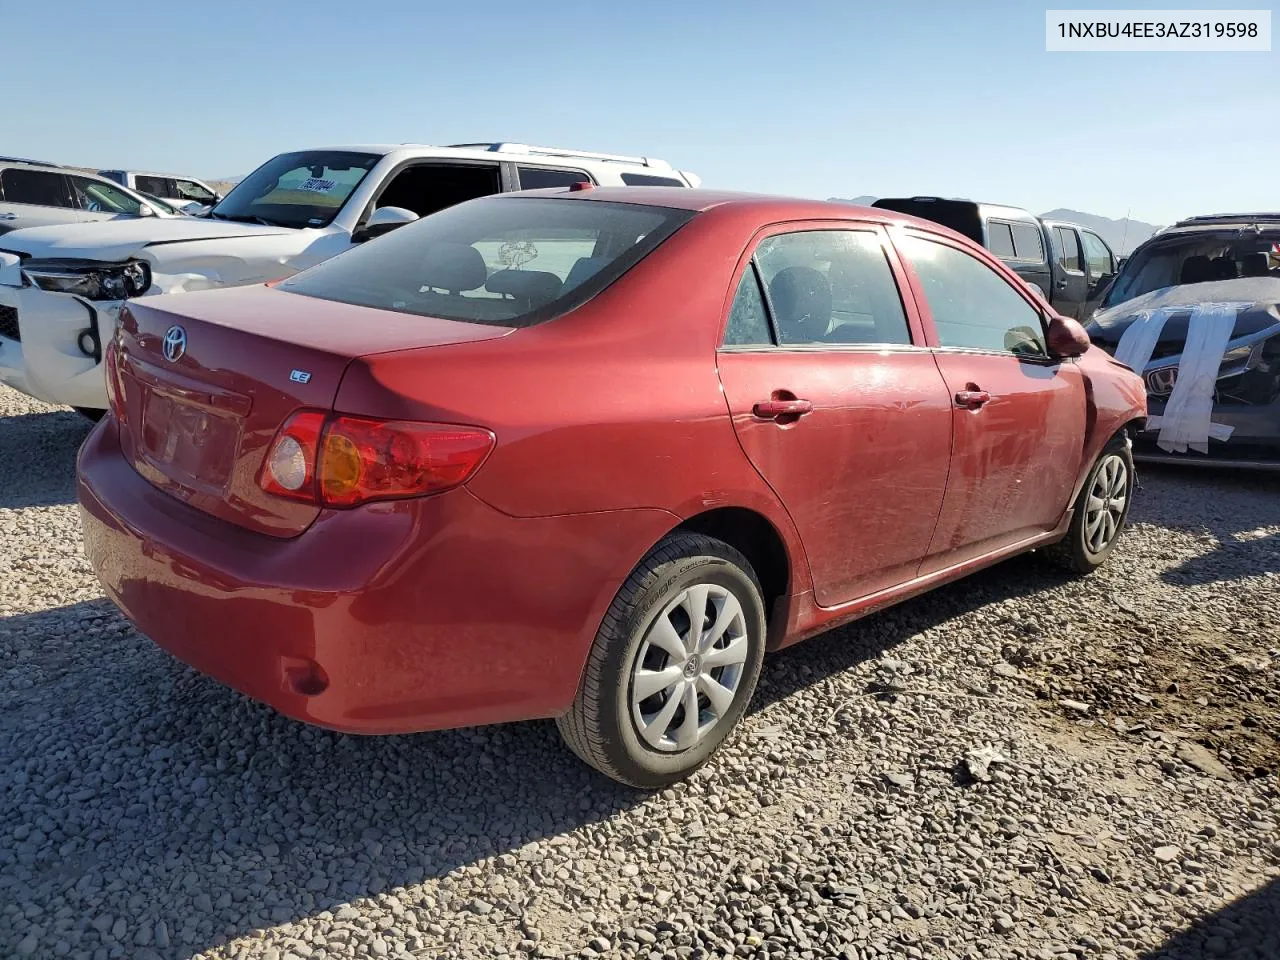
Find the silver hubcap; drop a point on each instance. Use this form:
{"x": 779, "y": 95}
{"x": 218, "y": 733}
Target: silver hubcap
{"x": 1107, "y": 499}
{"x": 688, "y": 668}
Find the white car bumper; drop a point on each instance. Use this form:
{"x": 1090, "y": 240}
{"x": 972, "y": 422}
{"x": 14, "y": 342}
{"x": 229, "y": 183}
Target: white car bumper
{"x": 45, "y": 359}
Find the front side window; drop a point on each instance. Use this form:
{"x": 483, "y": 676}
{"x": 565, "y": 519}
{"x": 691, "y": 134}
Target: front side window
{"x": 973, "y": 307}
{"x": 1000, "y": 239}
{"x": 190, "y": 190}
{"x": 832, "y": 286}
{"x": 537, "y": 178}
{"x": 34, "y": 186}
{"x": 99, "y": 197}
{"x": 305, "y": 189}
{"x": 1069, "y": 247}
{"x": 1028, "y": 242}
{"x": 1096, "y": 254}
{"x": 506, "y": 261}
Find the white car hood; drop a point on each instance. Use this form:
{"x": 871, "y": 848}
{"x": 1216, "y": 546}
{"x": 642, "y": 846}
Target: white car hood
{"x": 112, "y": 240}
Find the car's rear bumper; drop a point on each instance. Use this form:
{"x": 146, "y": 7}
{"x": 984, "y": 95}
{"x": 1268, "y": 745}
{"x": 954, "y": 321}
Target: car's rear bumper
{"x": 48, "y": 363}
{"x": 1254, "y": 442}
{"x": 413, "y": 615}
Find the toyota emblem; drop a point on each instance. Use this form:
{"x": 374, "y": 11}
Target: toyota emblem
{"x": 175, "y": 343}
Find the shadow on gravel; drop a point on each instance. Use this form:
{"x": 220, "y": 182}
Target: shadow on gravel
{"x": 1248, "y": 929}
{"x": 141, "y": 793}
{"x": 1224, "y": 504}
{"x": 38, "y": 451}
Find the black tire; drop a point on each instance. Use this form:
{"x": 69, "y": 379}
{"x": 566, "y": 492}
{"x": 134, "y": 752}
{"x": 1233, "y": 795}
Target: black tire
{"x": 1075, "y": 551}
{"x": 599, "y": 727}
{"x": 89, "y": 413}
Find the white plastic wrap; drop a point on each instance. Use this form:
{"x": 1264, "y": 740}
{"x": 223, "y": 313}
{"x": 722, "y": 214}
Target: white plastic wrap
{"x": 1186, "y": 421}
{"x": 1139, "y": 341}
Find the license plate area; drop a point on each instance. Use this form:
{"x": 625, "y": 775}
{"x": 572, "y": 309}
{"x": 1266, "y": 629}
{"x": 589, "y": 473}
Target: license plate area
{"x": 189, "y": 443}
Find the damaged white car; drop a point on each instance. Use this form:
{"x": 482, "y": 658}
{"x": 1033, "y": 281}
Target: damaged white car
{"x": 62, "y": 287}
{"x": 1196, "y": 311}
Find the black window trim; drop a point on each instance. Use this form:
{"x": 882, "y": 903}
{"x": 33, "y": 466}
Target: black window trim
{"x": 1039, "y": 232}
{"x": 1079, "y": 251}
{"x": 767, "y": 233}
{"x": 1046, "y": 361}
{"x": 68, "y": 197}
{"x": 1014, "y": 246}
{"x": 1111, "y": 253}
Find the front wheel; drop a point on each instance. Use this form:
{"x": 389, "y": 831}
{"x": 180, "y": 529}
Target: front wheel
{"x": 1101, "y": 510}
{"x": 673, "y": 665}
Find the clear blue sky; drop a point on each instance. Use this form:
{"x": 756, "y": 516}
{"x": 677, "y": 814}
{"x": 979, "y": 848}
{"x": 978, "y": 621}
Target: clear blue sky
{"x": 819, "y": 99}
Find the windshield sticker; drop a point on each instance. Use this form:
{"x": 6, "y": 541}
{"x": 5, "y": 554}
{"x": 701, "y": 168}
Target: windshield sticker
{"x": 316, "y": 222}
{"x": 317, "y": 185}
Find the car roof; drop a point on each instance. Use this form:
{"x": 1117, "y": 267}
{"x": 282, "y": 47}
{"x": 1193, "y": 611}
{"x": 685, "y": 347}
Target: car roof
{"x": 769, "y": 207}
{"x": 499, "y": 152}
{"x": 1227, "y": 220}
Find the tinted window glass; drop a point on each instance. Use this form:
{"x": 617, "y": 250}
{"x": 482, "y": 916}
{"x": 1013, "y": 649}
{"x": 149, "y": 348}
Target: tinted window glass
{"x": 1028, "y": 242}
{"x": 33, "y": 186}
{"x": 832, "y": 286}
{"x": 1000, "y": 239}
{"x": 748, "y": 322}
{"x": 1096, "y": 254}
{"x": 98, "y": 197}
{"x": 649, "y": 180}
{"x": 972, "y": 305}
{"x": 305, "y": 189}
{"x": 536, "y": 178}
{"x": 156, "y": 186}
{"x": 1070, "y": 255}
{"x": 510, "y": 261}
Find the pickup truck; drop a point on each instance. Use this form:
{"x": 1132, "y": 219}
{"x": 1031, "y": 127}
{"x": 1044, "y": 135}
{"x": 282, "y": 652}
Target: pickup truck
{"x": 1070, "y": 265}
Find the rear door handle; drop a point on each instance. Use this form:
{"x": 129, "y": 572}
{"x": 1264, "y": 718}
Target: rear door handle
{"x": 8, "y": 216}
{"x": 781, "y": 409}
{"x": 972, "y": 399}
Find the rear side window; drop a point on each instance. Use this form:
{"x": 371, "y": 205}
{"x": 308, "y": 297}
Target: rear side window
{"x": 973, "y": 307}
{"x": 1000, "y": 239}
{"x": 1028, "y": 242}
{"x": 536, "y": 178}
{"x": 831, "y": 287}
{"x": 748, "y": 322}
{"x": 649, "y": 180}
{"x": 506, "y": 261}
{"x": 156, "y": 186}
{"x": 1069, "y": 247}
{"x": 34, "y": 186}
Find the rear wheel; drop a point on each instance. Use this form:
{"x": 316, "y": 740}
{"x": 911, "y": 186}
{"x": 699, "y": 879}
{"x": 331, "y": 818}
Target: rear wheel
{"x": 89, "y": 413}
{"x": 673, "y": 665}
{"x": 1101, "y": 510}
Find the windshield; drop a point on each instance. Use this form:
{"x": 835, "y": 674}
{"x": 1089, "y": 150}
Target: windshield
{"x": 1196, "y": 258}
{"x": 304, "y": 189}
{"x": 508, "y": 261}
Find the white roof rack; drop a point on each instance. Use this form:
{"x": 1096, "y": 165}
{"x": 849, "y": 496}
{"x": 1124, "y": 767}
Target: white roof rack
{"x": 652, "y": 162}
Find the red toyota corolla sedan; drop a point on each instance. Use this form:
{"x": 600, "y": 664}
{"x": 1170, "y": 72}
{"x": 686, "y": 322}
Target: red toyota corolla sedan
{"x": 588, "y": 454}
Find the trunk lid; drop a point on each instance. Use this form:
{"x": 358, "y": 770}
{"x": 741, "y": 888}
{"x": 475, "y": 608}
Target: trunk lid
{"x": 198, "y": 421}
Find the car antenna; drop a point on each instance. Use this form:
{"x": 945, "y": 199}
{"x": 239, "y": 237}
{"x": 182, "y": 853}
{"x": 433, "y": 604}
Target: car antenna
{"x": 1125, "y": 236}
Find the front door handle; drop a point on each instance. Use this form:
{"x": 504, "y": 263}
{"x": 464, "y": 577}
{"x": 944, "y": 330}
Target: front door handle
{"x": 8, "y": 216}
{"x": 781, "y": 410}
{"x": 972, "y": 399}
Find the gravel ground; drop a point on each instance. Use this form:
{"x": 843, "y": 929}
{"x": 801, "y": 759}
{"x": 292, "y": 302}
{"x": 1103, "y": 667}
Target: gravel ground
{"x": 1019, "y": 765}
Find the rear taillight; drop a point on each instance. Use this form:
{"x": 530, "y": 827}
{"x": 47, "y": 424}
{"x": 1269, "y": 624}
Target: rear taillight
{"x": 346, "y": 461}
{"x": 115, "y": 386}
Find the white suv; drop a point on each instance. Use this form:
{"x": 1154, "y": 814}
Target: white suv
{"x": 44, "y": 194}
{"x": 180, "y": 192}
{"x": 61, "y": 288}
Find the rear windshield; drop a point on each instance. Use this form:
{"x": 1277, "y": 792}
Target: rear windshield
{"x": 507, "y": 261}
{"x": 305, "y": 189}
{"x": 1197, "y": 258}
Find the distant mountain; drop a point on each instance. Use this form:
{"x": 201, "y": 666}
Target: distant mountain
{"x": 1121, "y": 235}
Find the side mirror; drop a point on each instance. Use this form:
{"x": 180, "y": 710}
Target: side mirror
{"x": 145, "y": 211}
{"x": 1065, "y": 337}
{"x": 384, "y": 220}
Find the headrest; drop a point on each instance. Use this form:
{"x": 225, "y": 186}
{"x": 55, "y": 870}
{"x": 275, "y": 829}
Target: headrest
{"x": 452, "y": 266}
{"x": 1254, "y": 265}
{"x": 533, "y": 285}
{"x": 1196, "y": 269}
{"x": 583, "y": 270}
{"x": 802, "y": 295}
